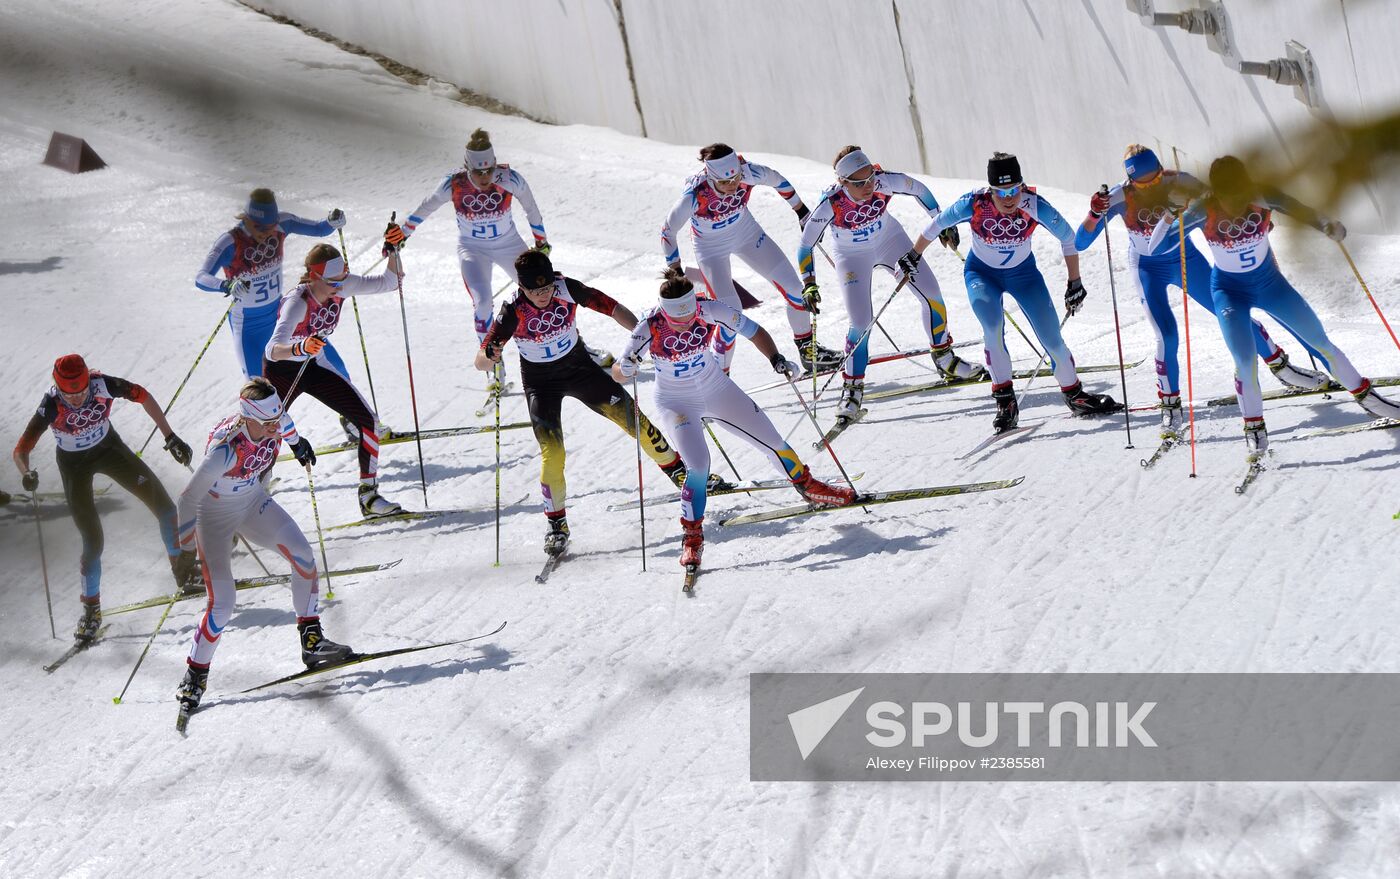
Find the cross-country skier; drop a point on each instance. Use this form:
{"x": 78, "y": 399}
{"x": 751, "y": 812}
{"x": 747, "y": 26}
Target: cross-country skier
{"x": 1002, "y": 218}
{"x": 691, "y": 386}
{"x": 78, "y": 409}
{"x": 1141, "y": 201}
{"x": 310, "y": 313}
{"x": 226, "y": 498}
{"x": 481, "y": 194}
{"x": 1236, "y": 216}
{"x": 714, "y": 204}
{"x": 541, "y": 318}
{"x": 866, "y": 237}
{"x": 250, "y": 256}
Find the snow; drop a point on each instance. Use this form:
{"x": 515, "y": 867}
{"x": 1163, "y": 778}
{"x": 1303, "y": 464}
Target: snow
{"x": 604, "y": 731}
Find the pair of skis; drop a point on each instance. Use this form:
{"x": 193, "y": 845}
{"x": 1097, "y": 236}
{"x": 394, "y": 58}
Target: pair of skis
{"x": 183, "y": 718}
{"x": 412, "y": 436}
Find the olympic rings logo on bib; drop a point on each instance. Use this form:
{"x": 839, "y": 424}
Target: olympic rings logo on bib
{"x": 257, "y": 254}
{"x": 865, "y": 213}
{"x": 1241, "y": 226}
{"x": 723, "y": 205}
{"x": 1151, "y": 216}
{"x": 547, "y": 321}
{"x": 687, "y": 341}
{"x": 261, "y": 457}
{"x": 481, "y": 202}
{"x": 93, "y": 413}
{"x": 1004, "y": 227}
{"x": 326, "y": 318}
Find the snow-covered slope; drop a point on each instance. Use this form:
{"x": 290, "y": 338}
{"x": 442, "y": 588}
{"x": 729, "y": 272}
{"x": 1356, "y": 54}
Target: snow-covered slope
{"x": 604, "y": 732}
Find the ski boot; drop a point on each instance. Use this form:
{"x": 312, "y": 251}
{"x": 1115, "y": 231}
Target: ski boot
{"x": 602, "y": 358}
{"x": 852, "y": 393}
{"x": 1295, "y": 376}
{"x": 820, "y": 494}
{"x": 1374, "y": 403}
{"x": 192, "y": 687}
{"x": 374, "y": 505}
{"x": 1171, "y": 415}
{"x": 952, "y": 367}
{"x": 814, "y": 356}
{"x": 86, "y": 631}
{"x": 316, "y": 651}
{"x": 1081, "y": 402}
{"x": 1256, "y": 438}
{"x": 557, "y": 538}
{"x": 692, "y": 541}
{"x": 185, "y": 568}
{"x": 1008, "y": 412}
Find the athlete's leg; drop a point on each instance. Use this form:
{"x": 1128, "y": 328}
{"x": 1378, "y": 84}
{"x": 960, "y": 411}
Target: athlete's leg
{"x": 1283, "y": 303}
{"x": 1233, "y": 300}
{"x": 76, "y": 470}
{"x": 240, "y": 352}
{"x": 719, "y": 281}
{"x": 727, "y": 404}
{"x": 922, "y": 283}
{"x": 1152, "y": 285}
{"x": 476, "y": 275}
{"x": 131, "y": 473}
{"x": 1027, "y": 287}
{"x": 255, "y": 328}
{"x": 768, "y": 260}
{"x": 854, "y": 270}
{"x": 344, "y": 399}
{"x": 267, "y": 524}
{"x": 984, "y": 292}
{"x": 592, "y": 386}
{"x": 682, "y": 420}
{"x": 545, "y": 406}
{"x": 215, "y": 526}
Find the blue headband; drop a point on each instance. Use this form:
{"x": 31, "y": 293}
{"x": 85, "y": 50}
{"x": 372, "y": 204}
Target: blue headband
{"x": 1144, "y": 164}
{"x": 264, "y": 212}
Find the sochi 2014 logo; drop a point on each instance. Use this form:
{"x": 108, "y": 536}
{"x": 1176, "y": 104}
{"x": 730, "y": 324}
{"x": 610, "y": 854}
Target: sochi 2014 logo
{"x": 1241, "y": 227}
{"x": 865, "y": 213}
{"x": 547, "y": 322}
{"x": 95, "y": 412}
{"x": 481, "y": 202}
{"x": 685, "y": 342}
{"x": 326, "y": 318}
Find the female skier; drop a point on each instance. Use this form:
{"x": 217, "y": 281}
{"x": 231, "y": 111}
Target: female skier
{"x": 691, "y": 386}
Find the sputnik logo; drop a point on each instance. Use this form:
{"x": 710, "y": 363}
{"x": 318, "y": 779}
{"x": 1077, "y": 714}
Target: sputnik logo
{"x": 811, "y": 724}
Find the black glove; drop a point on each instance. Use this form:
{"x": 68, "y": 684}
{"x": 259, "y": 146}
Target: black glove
{"x": 950, "y": 238}
{"x": 812, "y": 296}
{"x": 802, "y": 213}
{"x": 302, "y": 451}
{"x": 31, "y": 480}
{"x": 784, "y": 367}
{"x": 179, "y": 450}
{"x": 909, "y": 263}
{"x": 1075, "y": 295}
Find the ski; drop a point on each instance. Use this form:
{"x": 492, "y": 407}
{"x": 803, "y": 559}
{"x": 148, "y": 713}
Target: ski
{"x": 1012, "y": 434}
{"x": 549, "y": 565}
{"x": 1331, "y": 387}
{"x": 412, "y": 436}
{"x": 746, "y": 487}
{"x": 870, "y": 499}
{"x": 247, "y": 583}
{"x": 78, "y": 647}
{"x": 883, "y": 358}
{"x": 492, "y": 396}
{"x": 357, "y": 658}
{"x": 1373, "y": 424}
{"x": 692, "y": 573}
{"x": 1169, "y": 442}
{"x": 838, "y": 428}
{"x": 1250, "y": 474}
{"x": 944, "y": 384}
{"x": 22, "y": 498}
{"x": 405, "y": 516}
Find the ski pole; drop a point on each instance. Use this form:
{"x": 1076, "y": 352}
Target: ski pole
{"x": 1113, "y": 294}
{"x": 498, "y": 480}
{"x": 117, "y": 699}
{"x": 715, "y": 439}
{"x": 413, "y": 394}
{"x": 320, "y": 535}
{"x": 1186, "y": 321}
{"x": 813, "y": 416}
{"x": 641, "y": 492}
{"x": 199, "y": 357}
{"x": 355, "y": 306}
{"x": 1367, "y": 290}
{"x": 43, "y": 561}
{"x": 1034, "y": 349}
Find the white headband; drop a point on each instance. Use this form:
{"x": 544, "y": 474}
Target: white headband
{"x": 723, "y": 168}
{"x": 681, "y": 306}
{"x": 850, "y": 164}
{"x": 266, "y": 409}
{"x": 480, "y": 160}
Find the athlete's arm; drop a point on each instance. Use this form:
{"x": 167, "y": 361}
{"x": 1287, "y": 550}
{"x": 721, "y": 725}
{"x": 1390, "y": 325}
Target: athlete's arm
{"x": 293, "y": 310}
{"x": 958, "y": 212}
{"x": 294, "y": 225}
{"x": 436, "y": 199}
{"x": 502, "y": 329}
{"x": 32, "y": 431}
{"x": 680, "y": 215}
{"x": 1093, "y": 224}
{"x": 903, "y": 184}
{"x": 1284, "y": 203}
{"x": 517, "y": 185}
{"x": 762, "y": 175}
{"x": 220, "y": 257}
{"x": 817, "y": 221}
{"x": 120, "y": 387}
{"x": 1192, "y": 216}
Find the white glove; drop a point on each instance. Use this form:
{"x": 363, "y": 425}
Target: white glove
{"x": 336, "y": 218}
{"x": 1334, "y": 229}
{"x": 784, "y": 367}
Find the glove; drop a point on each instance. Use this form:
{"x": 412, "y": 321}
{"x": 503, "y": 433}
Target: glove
{"x": 784, "y": 367}
{"x": 909, "y": 263}
{"x": 336, "y": 218}
{"x": 308, "y": 347}
{"x": 543, "y": 247}
{"x": 1098, "y": 203}
{"x": 394, "y": 239}
{"x": 179, "y": 450}
{"x": 812, "y": 296}
{"x": 302, "y": 451}
{"x": 1075, "y": 295}
{"x": 185, "y": 567}
{"x": 950, "y": 238}
{"x": 235, "y": 287}
{"x": 802, "y": 213}
{"x": 31, "y": 480}
{"x": 628, "y": 365}
{"x": 1334, "y": 229}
